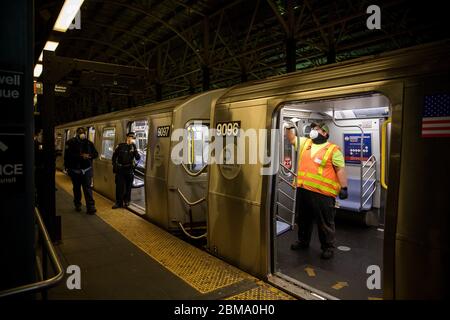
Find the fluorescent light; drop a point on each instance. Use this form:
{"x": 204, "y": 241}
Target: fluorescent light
{"x": 41, "y": 57}
{"x": 67, "y": 14}
{"x": 51, "y": 45}
{"x": 37, "y": 70}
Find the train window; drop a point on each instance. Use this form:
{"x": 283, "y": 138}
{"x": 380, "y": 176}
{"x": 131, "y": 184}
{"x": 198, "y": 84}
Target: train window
{"x": 140, "y": 128}
{"x": 67, "y": 133}
{"x": 198, "y": 144}
{"x": 58, "y": 141}
{"x": 91, "y": 134}
{"x": 108, "y": 138}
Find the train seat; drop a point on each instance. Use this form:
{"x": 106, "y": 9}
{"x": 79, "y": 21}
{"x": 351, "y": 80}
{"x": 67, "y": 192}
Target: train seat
{"x": 352, "y": 203}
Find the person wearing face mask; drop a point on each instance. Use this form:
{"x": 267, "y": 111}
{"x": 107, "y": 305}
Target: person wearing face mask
{"x": 321, "y": 177}
{"x": 78, "y": 155}
{"x": 124, "y": 161}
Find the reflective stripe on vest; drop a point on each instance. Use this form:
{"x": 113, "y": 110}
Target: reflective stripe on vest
{"x": 326, "y": 185}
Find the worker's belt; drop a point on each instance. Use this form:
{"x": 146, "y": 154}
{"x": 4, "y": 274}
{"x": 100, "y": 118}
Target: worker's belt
{"x": 81, "y": 171}
{"x": 124, "y": 165}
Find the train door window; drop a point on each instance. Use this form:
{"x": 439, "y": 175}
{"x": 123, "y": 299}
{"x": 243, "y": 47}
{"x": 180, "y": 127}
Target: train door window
{"x": 198, "y": 144}
{"x": 58, "y": 141}
{"x": 108, "y": 138}
{"x": 140, "y": 128}
{"x": 355, "y": 125}
{"x": 91, "y": 134}
{"x": 67, "y": 135}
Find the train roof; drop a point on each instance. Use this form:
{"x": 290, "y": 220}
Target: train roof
{"x": 161, "y": 106}
{"x": 400, "y": 63}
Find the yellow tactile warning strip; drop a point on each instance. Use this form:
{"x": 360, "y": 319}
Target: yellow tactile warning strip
{"x": 262, "y": 292}
{"x": 199, "y": 269}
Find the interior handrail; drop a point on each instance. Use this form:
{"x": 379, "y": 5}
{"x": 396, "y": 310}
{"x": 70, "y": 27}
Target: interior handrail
{"x": 383, "y": 153}
{"x": 40, "y": 285}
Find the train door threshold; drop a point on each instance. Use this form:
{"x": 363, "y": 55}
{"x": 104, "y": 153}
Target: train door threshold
{"x": 136, "y": 209}
{"x": 297, "y": 288}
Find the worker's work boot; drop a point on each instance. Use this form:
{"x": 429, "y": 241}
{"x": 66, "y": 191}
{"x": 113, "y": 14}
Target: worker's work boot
{"x": 299, "y": 245}
{"x": 327, "y": 254}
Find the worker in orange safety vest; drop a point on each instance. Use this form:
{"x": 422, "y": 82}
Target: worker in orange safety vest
{"x": 321, "y": 177}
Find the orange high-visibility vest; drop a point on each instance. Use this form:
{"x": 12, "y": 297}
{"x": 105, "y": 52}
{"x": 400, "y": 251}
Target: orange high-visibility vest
{"x": 317, "y": 174}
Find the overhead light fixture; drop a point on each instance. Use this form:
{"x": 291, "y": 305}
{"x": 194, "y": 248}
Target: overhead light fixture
{"x": 51, "y": 45}
{"x": 37, "y": 70}
{"x": 41, "y": 57}
{"x": 67, "y": 14}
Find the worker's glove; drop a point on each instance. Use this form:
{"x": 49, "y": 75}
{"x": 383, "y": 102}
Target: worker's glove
{"x": 343, "y": 194}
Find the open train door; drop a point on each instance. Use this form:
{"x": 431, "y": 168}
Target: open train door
{"x": 188, "y": 180}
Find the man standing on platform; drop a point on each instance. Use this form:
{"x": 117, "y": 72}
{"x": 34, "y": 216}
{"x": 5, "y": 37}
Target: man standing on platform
{"x": 78, "y": 156}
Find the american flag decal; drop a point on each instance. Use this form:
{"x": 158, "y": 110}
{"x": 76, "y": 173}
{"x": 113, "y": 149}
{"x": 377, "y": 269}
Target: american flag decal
{"x": 436, "y": 116}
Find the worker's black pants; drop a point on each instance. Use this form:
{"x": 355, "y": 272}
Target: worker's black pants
{"x": 82, "y": 180}
{"x": 124, "y": 181}
{"x": 315, "y": 206}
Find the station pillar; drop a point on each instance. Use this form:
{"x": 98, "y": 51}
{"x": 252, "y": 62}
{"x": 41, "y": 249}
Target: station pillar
{"x": 17, "y": 233}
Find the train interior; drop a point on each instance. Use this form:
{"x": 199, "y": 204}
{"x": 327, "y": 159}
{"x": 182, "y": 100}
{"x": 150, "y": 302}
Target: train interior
{"x": 354, "y": 123}
{"x": 140, "y": 128}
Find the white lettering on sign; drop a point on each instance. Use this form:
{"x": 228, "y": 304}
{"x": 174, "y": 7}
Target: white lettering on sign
{"x": 11, "y": 169}
{"x": 10, "y": 80}
{"x": 9, "y": 93}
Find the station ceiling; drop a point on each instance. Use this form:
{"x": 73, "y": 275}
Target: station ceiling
{"x": 233, "y": 41}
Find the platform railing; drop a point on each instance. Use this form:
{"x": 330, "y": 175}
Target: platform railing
{"x": 44, "y": 284}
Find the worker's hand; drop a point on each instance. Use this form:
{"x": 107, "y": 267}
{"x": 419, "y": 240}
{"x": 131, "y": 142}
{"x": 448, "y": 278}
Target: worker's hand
{"x": 343, "y": 194}
{"x": 85, "y": 155}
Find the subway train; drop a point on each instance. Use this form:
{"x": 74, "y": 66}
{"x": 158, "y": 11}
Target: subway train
{"x": 376, "y": 109}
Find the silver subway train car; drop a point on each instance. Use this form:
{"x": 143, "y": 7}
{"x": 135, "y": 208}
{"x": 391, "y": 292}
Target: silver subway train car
{"x": 245, "y": 210}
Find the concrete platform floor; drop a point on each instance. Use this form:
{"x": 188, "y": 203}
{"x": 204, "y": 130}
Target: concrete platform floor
{"x": 113, "y": 267}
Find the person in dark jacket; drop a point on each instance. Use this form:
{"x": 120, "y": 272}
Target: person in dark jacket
{"x": 124, "y": 161}
{"x": 78, "y": 155}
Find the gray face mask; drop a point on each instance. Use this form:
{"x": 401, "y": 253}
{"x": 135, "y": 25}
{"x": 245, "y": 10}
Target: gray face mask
{"x": 82, "y": 136}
